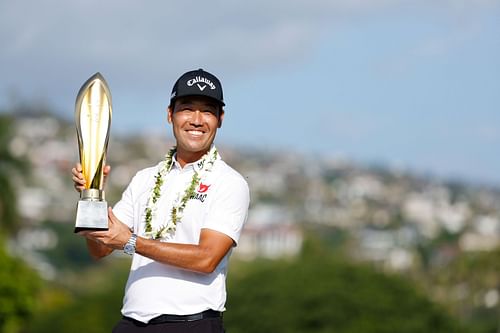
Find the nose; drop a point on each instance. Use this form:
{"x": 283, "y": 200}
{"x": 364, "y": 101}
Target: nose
{"x": 196, "y": 118}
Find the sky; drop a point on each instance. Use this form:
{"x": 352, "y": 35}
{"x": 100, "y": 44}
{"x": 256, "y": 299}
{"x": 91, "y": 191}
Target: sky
{"x": 413, "y": 85}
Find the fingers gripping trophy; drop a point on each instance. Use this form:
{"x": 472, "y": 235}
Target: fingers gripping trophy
{"x": 93, "y": 119}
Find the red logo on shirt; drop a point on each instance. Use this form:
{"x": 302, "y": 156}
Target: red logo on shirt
{"x": 203, "y": 188}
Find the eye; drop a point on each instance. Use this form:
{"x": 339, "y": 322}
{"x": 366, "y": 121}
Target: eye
{"x": 185, "y": 108}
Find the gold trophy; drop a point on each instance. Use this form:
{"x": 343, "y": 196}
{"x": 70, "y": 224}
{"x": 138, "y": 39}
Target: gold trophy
{"x": 93, "y": 120}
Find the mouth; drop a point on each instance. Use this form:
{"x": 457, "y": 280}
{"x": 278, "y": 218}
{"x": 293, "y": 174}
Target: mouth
{"x": 195, "y": 133}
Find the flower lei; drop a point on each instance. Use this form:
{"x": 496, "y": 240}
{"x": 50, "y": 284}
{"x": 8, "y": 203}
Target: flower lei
{"x": 177, "y": 209}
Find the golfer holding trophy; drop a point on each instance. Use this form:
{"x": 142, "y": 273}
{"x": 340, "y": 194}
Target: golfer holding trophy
{"x": 179, "y": 219}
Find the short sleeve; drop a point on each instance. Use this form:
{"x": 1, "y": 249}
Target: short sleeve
{"x": 229, "y": 207}
{"x": 124, "y": 209}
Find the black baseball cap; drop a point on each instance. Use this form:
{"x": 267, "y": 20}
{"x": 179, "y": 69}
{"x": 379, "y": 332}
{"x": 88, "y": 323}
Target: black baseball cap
{"x": 197, "y": 83}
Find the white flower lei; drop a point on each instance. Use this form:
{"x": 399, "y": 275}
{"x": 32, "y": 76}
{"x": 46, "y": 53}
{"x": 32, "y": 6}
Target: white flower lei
{"x": 177, "y": 209}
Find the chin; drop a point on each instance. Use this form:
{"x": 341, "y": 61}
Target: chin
{"x": 196, "y": 148}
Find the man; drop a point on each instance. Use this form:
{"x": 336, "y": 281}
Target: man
{"x": 179, "y": 219}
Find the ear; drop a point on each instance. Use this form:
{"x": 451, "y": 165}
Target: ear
{"x": 169, "y": 114}
{"x": 221, "y": 118}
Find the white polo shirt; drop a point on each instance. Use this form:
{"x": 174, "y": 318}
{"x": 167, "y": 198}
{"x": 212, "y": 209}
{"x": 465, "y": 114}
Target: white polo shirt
{"x": 220, "y": 203}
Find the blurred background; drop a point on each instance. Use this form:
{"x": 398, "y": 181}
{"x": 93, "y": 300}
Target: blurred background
{"x": 368, "y": 132}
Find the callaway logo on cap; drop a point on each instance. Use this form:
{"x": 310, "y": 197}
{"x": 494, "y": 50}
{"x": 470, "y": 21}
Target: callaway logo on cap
{"x": 197, "y": 83}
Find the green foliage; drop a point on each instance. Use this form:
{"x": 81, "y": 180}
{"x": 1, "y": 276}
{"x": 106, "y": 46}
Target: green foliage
{"x": 19, "y": 286}
{"x": 8, "y": 212}
{"x": 89, "y": 302}
{"x": 7, "y": 160}
{"x": 315, "y": 292}
{"x": 318, "y": 293}
{"x": 71, "y": 251}
{"x": 9, "y": 164}
{"x": 465, "y": 282}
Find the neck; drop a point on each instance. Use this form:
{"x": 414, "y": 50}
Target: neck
{"x": 187, "y": 157}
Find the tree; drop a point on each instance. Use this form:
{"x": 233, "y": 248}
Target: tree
{"x": 8, "y": 211}
{"x": 470, "y": 286}
{"x": 319, "y": 293}
{"x": 85, "y": 301}
{"x": 19, "y": 286}
{"x": 9, "y": 164}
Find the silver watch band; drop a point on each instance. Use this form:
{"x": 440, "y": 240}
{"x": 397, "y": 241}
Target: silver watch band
{"x": 129, "y": 247}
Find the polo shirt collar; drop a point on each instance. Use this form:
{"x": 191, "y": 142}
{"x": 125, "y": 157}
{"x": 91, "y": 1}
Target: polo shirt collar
{"x": 196, "y": 166}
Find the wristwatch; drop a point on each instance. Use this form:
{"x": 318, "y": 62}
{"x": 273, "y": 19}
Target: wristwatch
{"x": 129, "y": 247}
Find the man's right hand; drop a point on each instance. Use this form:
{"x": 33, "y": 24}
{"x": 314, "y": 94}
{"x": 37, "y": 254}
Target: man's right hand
{"x": 79, "y": 181}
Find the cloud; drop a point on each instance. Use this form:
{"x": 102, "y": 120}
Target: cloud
{"x": 48, "y": 46}
{"x": 157, "y": 36}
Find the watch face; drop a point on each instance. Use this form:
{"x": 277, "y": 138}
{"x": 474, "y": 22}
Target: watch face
{"x": 128, "y": 249}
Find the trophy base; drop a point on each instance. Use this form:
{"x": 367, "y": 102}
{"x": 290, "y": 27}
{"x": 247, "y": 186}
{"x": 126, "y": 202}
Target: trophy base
{"x": 91, "y": 215}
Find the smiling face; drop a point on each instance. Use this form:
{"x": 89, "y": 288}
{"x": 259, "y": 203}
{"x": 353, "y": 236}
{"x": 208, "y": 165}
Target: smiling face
{"x": 195, "y": 121}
